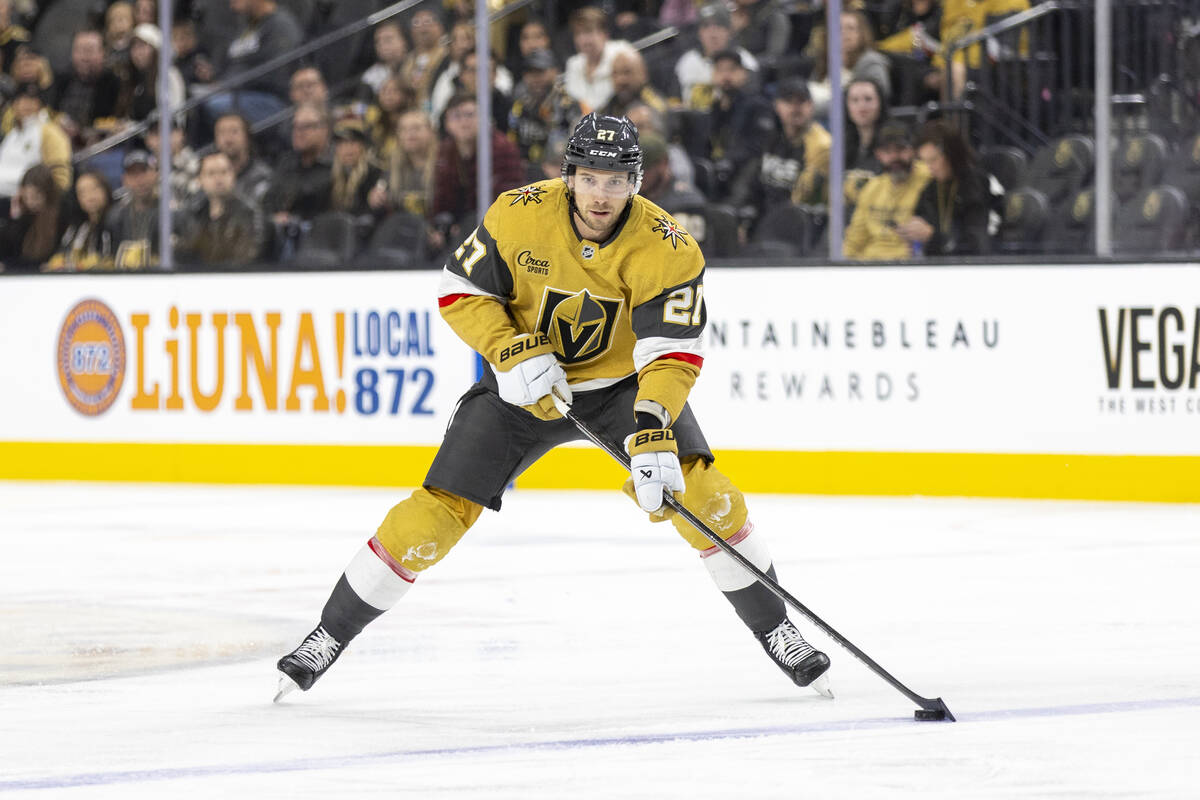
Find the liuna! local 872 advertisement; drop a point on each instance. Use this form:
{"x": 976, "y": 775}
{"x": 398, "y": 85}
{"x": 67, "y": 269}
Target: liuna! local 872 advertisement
{"x": 994, "y": 362}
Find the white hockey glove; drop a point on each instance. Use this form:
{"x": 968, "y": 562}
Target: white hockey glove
{"x": 654, "y": 468}
{"x": 530, "y": 376}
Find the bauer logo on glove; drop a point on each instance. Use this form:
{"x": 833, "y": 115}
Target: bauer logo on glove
{"x": 654, "y": 469}
{"x": 529, "y": 343}
{"x": 532, "y": 378}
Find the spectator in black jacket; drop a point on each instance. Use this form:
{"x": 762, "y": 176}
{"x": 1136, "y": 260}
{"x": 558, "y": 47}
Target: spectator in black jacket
{"x": 952, "y": 212}
{"x": 133, "y": 222}
{"x": 86, "y": 96}
{"x": 218, "y": 227}
{"x": 794, "y": 166}
{"x": 740, "y": 121}
{"x": 304, "y": 176}
{"x": 231, "y": 135}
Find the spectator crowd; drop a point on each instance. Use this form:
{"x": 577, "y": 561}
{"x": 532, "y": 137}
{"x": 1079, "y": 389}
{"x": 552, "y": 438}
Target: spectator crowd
{"x": 365, "y": 153}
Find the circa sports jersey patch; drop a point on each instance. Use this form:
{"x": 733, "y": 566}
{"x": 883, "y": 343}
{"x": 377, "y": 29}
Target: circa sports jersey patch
{"x": 526, "y": 195}
{"x": 671, "y": 231}
{"x": 580, "y": 325}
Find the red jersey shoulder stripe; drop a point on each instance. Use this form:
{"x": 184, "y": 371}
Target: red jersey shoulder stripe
{"x": 690, "y": 358}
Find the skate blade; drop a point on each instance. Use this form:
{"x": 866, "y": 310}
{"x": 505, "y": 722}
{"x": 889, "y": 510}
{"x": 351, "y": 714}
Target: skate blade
{"x": 286, "y": 687}
{"x": 821, "y": 686}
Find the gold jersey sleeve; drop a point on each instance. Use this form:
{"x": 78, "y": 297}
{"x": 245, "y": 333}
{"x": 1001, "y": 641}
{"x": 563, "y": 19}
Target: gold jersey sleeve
{"x": 611, "y": 309}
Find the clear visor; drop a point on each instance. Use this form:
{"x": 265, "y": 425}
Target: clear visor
{"x": 611, "y": 184}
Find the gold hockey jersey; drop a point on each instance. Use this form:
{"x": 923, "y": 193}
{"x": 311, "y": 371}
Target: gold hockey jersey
{"x": 634, "y": 303}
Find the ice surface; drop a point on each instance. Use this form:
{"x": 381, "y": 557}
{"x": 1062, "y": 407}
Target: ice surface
{"x": 568, "y": 649}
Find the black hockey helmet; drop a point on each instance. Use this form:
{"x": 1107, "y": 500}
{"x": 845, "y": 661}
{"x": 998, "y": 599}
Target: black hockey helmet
{"x": 606, "y": 143}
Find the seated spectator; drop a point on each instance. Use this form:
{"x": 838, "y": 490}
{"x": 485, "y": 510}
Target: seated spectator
{"x": 307, "y": 86}
{"x": 763, "y": 28}
{"x": 631, "y": 85}
{"x": 382, "y": 116}
{"x": 410, "y": 177}
{"x": 185, "y": 165}
{"x": 460, "y": 77}
{"x": 303, "y": 177}
{"x": 410, "y": 173}
{"x": 218, "y": 226}
{"x": 462, "y": 41}
{"x": 34, "y": 139}
{"x": 952, "y": 214}
{"x": 87, "y": 243}
{"x": 133, "y": 222}
{"x": 454, "y": 193}
{"x": 118, "y": 34}
{"x": 882, "y": 227}
{"x": 866, "y": 111}
{"x": 267, "y": 31}
{"x": 29, "y": 66}
{"x": 794, "y": 167}
{"x": 540, "y": 107}
{"x": 39, "y": 218}
{"x": 741, "y": 121}
{"x": 145, "y": 12}
{"x": 391, "y": 48}
{"x": 191, "y": 59}
{"x": 588, "y": 73}
{"x": 139, "y": 91}
{"x": 12, "y": 36}
{"x": 534, "y": 35}
{"x": 428, "y": 57}
{"x": 860, "y": 61}
{"x": 678, "y": 198}
{"x": 467, "y": 81}
{"x": 231, "y": 136}
{"x": 86, "y": 96}
{"x": 359, "y": 185}
{"x": 694, "y": 68}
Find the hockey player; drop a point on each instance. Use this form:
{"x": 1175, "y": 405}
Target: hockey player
{"x": 575, "y": 291}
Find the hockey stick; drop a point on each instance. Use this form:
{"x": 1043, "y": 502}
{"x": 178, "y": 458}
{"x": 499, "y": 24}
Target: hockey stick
{"x": 930, "y": 709}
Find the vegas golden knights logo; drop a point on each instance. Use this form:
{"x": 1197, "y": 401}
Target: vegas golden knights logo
{"x": 580, "y": 325}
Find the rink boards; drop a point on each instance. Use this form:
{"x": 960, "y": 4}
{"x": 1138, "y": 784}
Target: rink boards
{"x": 1020, "y": 381}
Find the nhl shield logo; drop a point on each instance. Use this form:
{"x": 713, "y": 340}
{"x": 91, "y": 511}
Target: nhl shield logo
{"x": 588, "y": 251}
{"x": 580, "y": 325}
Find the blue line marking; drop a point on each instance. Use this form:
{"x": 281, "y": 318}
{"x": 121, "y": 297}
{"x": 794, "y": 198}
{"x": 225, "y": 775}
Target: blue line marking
{"x": 334, "y": 762}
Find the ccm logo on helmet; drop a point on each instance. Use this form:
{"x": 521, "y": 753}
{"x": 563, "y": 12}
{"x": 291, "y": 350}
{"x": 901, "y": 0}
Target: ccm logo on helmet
{"x": 603, "y": 153}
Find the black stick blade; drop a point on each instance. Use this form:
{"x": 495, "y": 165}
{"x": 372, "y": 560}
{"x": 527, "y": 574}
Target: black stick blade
{"x": 936, "y": 711}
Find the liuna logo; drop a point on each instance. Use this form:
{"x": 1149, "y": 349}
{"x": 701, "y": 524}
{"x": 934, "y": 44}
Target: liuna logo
{"x": 1151, "y": 348}
{"x": 90, "y": 357}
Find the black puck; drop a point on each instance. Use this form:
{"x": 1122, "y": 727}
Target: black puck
{"x": 929, "y": 714}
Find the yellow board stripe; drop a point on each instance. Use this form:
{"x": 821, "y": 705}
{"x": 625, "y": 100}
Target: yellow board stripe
{"x": 1023, "y": 475}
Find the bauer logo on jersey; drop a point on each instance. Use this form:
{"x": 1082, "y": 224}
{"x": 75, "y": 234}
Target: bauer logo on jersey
{"x": 671, "y": 231}
{"x": 526, "y": 195}
{"x": 580, "y": 325}
{"x": 90, "y": 357}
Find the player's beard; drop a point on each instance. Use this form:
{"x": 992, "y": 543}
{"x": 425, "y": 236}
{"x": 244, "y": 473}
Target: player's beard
{"x": 597, "y": 229}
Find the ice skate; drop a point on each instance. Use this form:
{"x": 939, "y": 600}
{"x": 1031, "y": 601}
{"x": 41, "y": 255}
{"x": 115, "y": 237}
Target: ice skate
{"x": 798, "y": 659}
{"x": 303, "y": 666}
